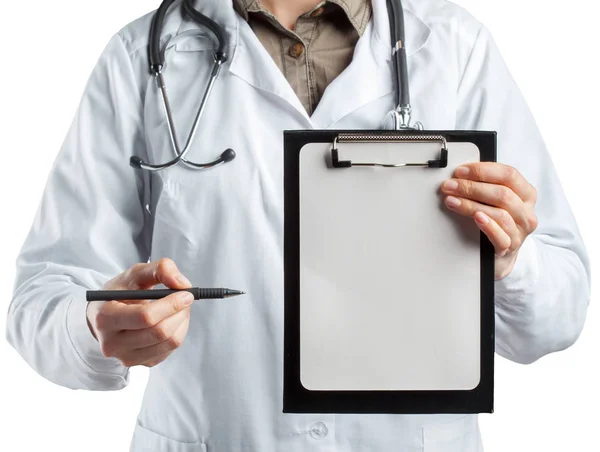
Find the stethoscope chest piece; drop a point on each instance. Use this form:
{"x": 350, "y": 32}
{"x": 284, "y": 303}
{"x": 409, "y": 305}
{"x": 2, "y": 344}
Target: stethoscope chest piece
{"x": 157, "y": 60}
{"x": 397, "y": 120}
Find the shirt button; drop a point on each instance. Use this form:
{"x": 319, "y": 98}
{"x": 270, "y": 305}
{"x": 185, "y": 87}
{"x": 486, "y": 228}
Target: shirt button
{"x": 319, "y": 430}
{"x": 317, "y": 12}
{"x": 296, "y": 50}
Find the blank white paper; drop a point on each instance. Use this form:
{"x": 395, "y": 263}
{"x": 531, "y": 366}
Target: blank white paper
{"x": 389, "y": 278}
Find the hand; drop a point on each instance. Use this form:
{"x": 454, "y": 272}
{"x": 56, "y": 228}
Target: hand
{"x": 142, "y": 332}
{"x": 501, "y": 201}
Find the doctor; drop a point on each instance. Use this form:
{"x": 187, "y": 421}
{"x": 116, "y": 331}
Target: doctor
{"x": 215, "y": 381}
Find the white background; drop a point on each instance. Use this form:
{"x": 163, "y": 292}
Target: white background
{"x": 48, "y": 52}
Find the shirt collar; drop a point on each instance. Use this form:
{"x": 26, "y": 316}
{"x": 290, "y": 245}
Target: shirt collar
{"x": 223, "y": 12}
{"x": 358, "y": 12}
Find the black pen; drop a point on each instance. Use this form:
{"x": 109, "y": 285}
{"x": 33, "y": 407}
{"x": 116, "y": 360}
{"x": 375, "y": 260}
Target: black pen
{"x": 155, "y": 294}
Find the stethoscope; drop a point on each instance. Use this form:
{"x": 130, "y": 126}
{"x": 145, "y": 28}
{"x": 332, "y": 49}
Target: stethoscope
{"x": 397, "y": 119}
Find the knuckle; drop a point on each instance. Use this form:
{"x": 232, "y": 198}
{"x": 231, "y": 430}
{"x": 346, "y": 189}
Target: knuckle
{"x": 113, "y": 283}
{"x": 466, "y": 187}
{"x": 137, "y": 267}
{"x": 165, "y": 264}
{"x": 132, "y": 271}
{"x": 477, "y": 172}
{"x": 130, "y": 283}
{"x": 534, "y": 193}
{"x": 132, "y": 274}
{"x": 129, "y": 274}
{"x": 505, "y": 218}
{"x": 515, "y": 244}
{"x": 146, "y": 317}
{"x": 510, "y": 173}
{"x": 468, "y": 207}
{"x": 107, "y": 349}
{"x": 504, "y": 195}
{"x": 159, "y": 333}
{"x": 174, "y": 342}
{"x": 175, "y": 304}
{"x": 532, "y": 221}
{"x": 126, "y": 275}
{"x": 103, "y": 320}
{"x": 504, "y": 246}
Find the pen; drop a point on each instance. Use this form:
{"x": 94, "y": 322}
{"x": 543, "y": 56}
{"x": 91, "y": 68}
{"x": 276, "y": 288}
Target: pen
{"x": 155, "y": 294}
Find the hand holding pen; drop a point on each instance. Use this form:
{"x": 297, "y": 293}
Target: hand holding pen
{"x": 138, "y": 331}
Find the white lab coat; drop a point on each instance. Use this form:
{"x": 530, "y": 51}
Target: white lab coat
{"x": 222, "y": 389}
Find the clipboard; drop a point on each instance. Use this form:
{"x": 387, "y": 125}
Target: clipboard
{"x": 389, "y": 296}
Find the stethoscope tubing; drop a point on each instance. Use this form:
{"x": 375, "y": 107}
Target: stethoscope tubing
{"x": 401, "y": 114}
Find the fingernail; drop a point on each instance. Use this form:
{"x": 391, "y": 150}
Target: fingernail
{"x": 482, "y": 218}
{"x": 461, "y": 171}
{"x": 183, "y": 280}
{"x": 453, "y": 202}
{"x": 450, "y": 185}
{"x": 186, "y": 297}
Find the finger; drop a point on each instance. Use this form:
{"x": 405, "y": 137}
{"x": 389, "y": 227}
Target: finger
{"x": 119, "y": 316}
{"x": 131, "y": 339}
{"x": 156, "y": 360}
{"x": 494, "y": 232}
{"x": 469, "y": 208}
{"x": 141, "y": 355}
{"x": 163, "y": 271}
{"x": 500, "y": 174}
{"x": 136, "y": 301}
{"x": 490, "y": 194}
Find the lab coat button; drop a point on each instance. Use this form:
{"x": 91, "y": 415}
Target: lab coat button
{"x": 319, "y": 430}
{"x": 296, "y": 50}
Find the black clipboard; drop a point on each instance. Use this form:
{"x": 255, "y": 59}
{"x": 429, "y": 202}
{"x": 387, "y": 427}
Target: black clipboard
{"x": 328, "y": 151}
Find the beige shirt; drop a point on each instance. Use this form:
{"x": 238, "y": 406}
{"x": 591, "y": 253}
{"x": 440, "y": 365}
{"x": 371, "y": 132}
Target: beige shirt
{"x": 320, "y": 47}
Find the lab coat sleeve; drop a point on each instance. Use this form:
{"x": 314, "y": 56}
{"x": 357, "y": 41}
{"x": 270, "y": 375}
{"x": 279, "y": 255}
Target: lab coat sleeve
{"x": 88, "y": 228}
{"x": 541, "y": 305}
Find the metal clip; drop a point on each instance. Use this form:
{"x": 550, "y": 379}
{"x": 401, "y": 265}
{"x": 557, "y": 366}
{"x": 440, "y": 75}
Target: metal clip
{"x": 442, "y": 162}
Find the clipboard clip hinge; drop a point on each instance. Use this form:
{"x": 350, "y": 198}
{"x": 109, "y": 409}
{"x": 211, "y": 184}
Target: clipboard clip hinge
{"x": 442, "y": 162}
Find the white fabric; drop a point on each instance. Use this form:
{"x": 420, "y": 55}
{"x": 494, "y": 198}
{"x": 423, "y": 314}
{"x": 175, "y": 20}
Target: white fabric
{"x": 222, "y": 390}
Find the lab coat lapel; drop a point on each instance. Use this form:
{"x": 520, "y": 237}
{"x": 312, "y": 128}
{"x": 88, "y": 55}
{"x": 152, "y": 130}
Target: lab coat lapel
{"x": 370, "y": 75}
{"x": 248, "y": 59}
{"x": 253, "y": 64}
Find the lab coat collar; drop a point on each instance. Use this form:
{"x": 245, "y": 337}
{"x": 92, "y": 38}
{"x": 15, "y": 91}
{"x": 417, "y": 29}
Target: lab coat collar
{"x": 417, "y": 31}
{"x": 251, "y": 62}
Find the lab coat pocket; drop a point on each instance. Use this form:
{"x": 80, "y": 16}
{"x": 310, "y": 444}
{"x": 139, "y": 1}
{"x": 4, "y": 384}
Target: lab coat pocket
{"x": 146, "y": 440}
{"x": 458, "y": 435}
